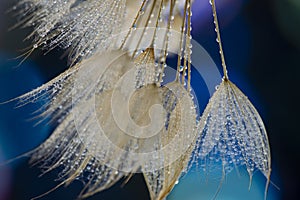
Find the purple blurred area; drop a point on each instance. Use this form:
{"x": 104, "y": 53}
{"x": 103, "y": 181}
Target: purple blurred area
{"x": 261, "y": 40}
{"x": 5, "y": 181}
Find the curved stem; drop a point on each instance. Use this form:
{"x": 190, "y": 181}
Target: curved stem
{"x": 213, "y": 4}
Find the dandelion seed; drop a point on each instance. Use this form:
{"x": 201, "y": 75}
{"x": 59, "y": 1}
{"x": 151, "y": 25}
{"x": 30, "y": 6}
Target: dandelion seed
{"x": 181, "y": 126}
{"x": 231, "y": 129}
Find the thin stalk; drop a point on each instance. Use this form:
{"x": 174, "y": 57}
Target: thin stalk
{"x": 188, "y": 44}
{"x": 183, "y": 26}
{"x": 144, "y": 29}
{"x": 166, "y": 40}
{"x": 157, "y": 21}
{"x": 213, "y": 4}
{"x": 133, "y": 23}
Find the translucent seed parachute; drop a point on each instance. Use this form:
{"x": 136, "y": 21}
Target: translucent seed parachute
{"x": 231, "y": 130}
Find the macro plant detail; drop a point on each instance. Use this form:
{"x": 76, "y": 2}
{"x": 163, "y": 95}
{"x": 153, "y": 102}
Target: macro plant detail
{"x": 116, "y": 115}
{"x": 80, "y": 26}
{"x": 231, "y": 129}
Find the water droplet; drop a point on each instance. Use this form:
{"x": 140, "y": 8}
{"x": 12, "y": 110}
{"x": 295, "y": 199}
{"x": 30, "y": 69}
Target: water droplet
{"x": 181, "y": 68}
{"x": 142, "y": 11}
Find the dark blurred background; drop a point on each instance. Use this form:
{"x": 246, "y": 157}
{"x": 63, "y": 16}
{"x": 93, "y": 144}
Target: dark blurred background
{"x": 261, "y": 40}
